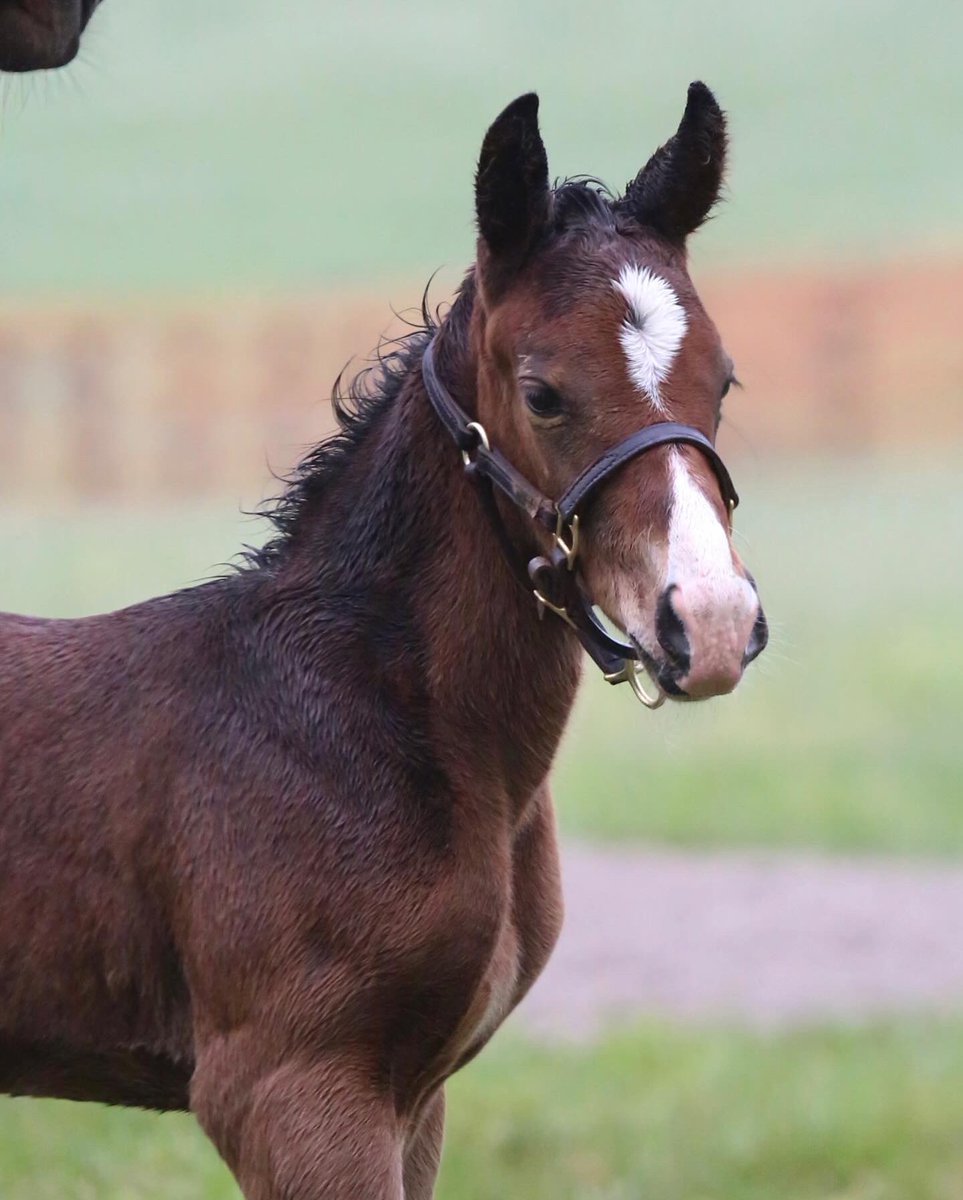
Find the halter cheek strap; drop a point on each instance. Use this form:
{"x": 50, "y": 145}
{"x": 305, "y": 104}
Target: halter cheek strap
{"x": 554, "y": 580}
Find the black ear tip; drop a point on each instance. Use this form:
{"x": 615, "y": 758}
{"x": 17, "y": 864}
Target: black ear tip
{"x": 700, "y": 100}
{"x": 676, "y": 189}
{"x": 697, "y": 89}
{"x": 525, "y": 107}
{"x": 511, "y": 186}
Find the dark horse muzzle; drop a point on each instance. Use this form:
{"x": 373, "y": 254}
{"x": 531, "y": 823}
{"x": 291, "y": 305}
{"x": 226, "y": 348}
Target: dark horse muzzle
{"x": 38, "y": 35}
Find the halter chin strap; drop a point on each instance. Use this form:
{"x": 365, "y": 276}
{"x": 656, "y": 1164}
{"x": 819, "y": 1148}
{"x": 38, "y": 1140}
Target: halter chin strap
{"x": 553, "y": 580}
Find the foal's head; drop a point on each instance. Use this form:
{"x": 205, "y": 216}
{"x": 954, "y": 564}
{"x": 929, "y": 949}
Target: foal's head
{"x": 40, "y": 34}
{"x": 588, "y": 328}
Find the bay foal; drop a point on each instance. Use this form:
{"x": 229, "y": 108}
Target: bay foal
{"x": 280, "y": 848}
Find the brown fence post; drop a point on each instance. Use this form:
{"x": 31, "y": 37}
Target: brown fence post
{"x": 843, "y": 367}
{"x": 87, "y": 411}
{"x": 189, "y": 400}
{"x": 11, "y": 415}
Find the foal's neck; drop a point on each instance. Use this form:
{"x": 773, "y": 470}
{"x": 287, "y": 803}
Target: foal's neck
{"x": 401, "y": 542}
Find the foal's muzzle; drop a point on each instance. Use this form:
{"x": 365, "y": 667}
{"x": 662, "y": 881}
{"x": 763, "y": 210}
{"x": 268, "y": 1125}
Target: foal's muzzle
{"x": 708, "y": 648}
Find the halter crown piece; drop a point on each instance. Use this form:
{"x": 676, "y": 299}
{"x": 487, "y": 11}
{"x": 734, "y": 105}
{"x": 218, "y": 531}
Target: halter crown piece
{"x": 554, "y": 580}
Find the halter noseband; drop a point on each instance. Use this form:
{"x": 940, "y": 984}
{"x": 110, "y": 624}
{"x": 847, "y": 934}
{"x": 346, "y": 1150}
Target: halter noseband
{"x": 554, "y": 580}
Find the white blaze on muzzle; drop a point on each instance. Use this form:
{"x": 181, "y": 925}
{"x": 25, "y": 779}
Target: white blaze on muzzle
{"x": 715, "y": 603}
{"x": 698, "y": 548}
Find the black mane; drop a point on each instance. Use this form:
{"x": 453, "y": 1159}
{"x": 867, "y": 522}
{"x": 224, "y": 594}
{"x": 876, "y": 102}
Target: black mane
{"x": 357, "y": 407}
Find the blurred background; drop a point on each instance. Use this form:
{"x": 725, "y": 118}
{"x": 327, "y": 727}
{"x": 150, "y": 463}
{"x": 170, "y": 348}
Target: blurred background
{"x": 219, "y": 205}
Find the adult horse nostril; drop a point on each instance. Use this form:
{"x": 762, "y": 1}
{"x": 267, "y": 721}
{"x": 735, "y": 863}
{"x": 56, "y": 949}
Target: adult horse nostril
{"x": 757, "y": 639}
{"x": 671, "y": 632}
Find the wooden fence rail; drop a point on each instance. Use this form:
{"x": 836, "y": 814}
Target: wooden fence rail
{"x": 143, "y": 404}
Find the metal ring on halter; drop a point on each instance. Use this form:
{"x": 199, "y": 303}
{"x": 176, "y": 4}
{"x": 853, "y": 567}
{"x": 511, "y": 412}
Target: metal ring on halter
{"x": 479, "y": 432}
{"x": 632, "y": 674}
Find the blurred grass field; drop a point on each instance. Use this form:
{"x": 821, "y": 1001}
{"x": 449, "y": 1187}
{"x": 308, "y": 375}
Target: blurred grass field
{"x": 871, "y": 1114}
{"x": 235, "y": 144}
{"x": 843, "y": 735}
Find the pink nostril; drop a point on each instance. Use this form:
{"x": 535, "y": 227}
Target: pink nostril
{"x": 710, "y": 634}
{"x": 671, "y": 633}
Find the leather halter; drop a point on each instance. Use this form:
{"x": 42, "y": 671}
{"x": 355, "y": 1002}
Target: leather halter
{"x": 554, "y": 580}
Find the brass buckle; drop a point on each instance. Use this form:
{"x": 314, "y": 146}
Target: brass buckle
{"x": 568, "y": 548}
{"x": 633, "y": 673}
{"x": 479, "y": 432}
{"x": 544, "y": 602}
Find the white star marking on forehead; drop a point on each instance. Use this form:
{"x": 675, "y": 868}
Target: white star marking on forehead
{"x": 652, "y": 332}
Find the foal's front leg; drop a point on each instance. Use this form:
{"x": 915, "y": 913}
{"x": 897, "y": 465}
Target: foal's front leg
{"x": 299, "y": 1131}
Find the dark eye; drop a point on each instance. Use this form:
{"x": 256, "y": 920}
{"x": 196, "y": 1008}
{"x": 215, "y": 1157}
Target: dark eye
{"x": 730, "y": 382}
{"x": 543, "y": 401}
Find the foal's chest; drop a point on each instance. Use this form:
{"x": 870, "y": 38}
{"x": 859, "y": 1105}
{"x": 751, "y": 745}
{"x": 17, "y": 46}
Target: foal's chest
{"x": 502, "y": 963}
{"x": 467, "y": 950}
{"x": 495, "y": 995}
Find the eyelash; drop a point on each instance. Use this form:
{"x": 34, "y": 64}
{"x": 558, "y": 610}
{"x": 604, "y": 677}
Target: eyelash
{"x": 731, "y": 382}
{"x": 543, "y": 401}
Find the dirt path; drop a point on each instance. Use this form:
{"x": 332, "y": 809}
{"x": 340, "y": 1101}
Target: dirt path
{"x": 763, "y": 939}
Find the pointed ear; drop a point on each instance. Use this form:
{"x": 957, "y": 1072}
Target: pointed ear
{"x": 511, "y": 190}
{"x": 680, "y": 183}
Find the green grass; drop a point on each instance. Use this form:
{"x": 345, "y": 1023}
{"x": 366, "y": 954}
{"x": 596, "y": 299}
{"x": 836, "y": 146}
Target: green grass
{"x": 235, "y": 144}
{"x": 844, "y": 735}
{"x": 871, "y": 1114}
{"x": 53, "y": 1150}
